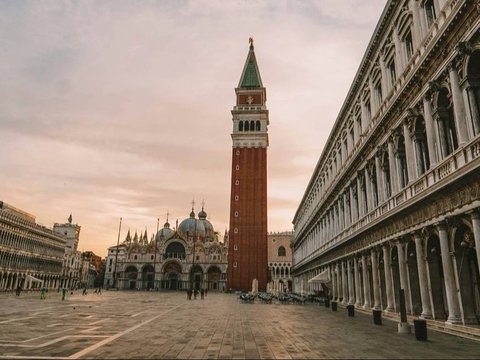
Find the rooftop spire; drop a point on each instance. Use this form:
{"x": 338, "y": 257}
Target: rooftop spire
{"x": 250, "y": 75}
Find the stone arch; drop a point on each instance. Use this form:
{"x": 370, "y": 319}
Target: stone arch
{"x": 445, "y": 119}
{"x": 213, "y": 277}
{"x": 436, "y": 278}
{"x": 175, "y": 249}
{"x": 282, "y": 251}
{"x": 468, "y": 278}
{"x": 473, "y": 90}
{"x": 131, "y": 276}
{"x": 172, "y": 271}
{"x": 414, "y": 285}
{"x": 148, "y": 277}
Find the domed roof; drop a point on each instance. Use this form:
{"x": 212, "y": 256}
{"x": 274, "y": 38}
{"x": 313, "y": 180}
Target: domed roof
{"x": 192, "y": 227}
{"x": 202, "y": 214}
{"x": 165, "y": 233}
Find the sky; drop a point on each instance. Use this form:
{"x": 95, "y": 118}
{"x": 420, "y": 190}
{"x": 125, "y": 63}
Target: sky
{"x": 121, "y": 108}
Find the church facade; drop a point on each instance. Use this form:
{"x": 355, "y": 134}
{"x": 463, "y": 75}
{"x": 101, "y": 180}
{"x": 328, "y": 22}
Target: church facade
{"x": 188, "y": 257}
{"x": 247, "y": 259}
{"x": 394, "y": 199}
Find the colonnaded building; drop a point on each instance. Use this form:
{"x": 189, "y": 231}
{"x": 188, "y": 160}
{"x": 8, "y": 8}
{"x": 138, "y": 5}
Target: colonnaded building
{"x": 30, "y": 254}
{"x": 280, "y": 261}
{"x": 191, "y": 256}
{"x": 394, "y": 198}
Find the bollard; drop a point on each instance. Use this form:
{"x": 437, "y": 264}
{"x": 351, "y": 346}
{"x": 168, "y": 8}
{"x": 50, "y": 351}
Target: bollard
{"x": 377, "y": 317}
{"x": 420, "y": 327}
{"x": 334, "y": 306}
{"x": 351, "y": 310}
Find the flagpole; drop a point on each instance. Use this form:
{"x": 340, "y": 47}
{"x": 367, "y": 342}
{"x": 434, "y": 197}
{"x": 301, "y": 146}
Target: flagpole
{"x": 155, "y": 257}
{"x": 116, "y": 255}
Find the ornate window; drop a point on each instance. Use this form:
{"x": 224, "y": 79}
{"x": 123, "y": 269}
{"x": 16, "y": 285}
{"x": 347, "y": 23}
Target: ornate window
{"x": 446, "y": 122}
{"x": 430, "y": 15}
{"x": 257, "y": 126}
{"x": 240, "y": 126}
{"x": 282, "y": 251}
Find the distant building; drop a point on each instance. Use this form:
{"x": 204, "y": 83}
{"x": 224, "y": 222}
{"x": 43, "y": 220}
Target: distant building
{"x": 280, "y": 261}
{"x": 72, "y": 262}
{"x": 179, "y": 259}
{"x": 30, "y": 254}
{"x": 97, "y": 263}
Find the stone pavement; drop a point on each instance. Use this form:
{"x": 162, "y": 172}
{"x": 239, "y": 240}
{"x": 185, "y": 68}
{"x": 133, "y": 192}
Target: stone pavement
{"x": 166, "y": 325}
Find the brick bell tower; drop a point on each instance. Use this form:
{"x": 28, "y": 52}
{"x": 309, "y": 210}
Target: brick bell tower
{"x": 247, "y": 248}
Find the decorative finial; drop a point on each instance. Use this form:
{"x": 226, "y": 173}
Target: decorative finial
{"x": 193, "y": 204}
{"x": 70, "y": 219}
{"x": 203, "y": 203}
{"x": 167, "y": 215}
{"x": 250, "y": 41}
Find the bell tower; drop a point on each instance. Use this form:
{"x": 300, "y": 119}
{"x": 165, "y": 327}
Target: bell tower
{"x": 247, "y": 247}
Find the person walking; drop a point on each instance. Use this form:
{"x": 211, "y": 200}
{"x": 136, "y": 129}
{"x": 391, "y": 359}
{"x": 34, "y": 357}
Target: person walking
{"x": 99, "y": 290}
{"x": 42, "y": 293}
{"x": 202, "y": 293}
{"x": 19, "y": 290}
{"x": 84, "y": 291}
{"x": 64, "y": 293}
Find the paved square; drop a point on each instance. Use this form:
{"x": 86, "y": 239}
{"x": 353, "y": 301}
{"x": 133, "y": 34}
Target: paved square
{"x": 166, "y": 325}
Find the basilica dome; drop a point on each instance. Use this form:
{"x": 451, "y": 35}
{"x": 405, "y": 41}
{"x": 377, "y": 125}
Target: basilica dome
{"x": 192, "y": 227}
{"x": 209, "y": 232}
{"x": 165, "y": 233}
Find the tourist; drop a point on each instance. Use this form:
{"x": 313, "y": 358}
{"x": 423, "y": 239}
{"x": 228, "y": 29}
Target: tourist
{"x": 64, "y": 293}
{"x": 202, "y": 293}
{"x": 42, "y": 293}
{"x": 99, "y": 290}
{"x": 84, "y": 291}
{"x": 19, "y": 290}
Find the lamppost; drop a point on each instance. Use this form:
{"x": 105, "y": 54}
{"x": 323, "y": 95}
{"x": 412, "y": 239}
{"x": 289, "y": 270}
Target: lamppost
{"x": 155, "y": 256}
{"x": 116, "y": 256}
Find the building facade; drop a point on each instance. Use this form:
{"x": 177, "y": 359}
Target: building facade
{"x": 247, "y": 258}
{"x": 280, "y": 261}
{"x": 73, "y": 260}
{"x": 189, "y": 257}
{"x": 394, "y": 199}
{"x": 31, "y": 255}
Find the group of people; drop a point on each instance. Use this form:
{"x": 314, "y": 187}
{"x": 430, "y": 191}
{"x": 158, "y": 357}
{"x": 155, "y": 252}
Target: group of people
{"x": 195, "y": 293}
{"x": 97, "y": 291}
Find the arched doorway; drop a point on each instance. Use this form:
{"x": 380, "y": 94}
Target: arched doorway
{"x": 467, "y": 265}
{"x": 213, "y": 276}
{"x": 131, "y": 274}
{"x": 413, "y": 278}
{"x": 437, "y": 283}
{"x": 148, "y": 277}
{"x": 473, "y": 90}
{"x": 196, "y": 277}
{"x": 172, "y": 272}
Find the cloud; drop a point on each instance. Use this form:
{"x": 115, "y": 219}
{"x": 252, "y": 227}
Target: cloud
{"x": 122, "y": 108}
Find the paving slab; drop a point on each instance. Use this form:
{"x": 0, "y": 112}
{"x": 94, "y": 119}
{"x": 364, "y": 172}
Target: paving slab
{"x": 138, "y": 325}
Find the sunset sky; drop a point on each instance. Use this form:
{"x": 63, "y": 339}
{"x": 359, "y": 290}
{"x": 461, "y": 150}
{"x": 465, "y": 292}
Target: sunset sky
{"x": 119, "y": 108}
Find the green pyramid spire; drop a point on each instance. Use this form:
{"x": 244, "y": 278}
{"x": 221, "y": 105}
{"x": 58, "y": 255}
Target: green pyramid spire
{"x": 250, "y": 75}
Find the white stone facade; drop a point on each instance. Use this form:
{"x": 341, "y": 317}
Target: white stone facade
{"x": 30, "y": 254}
{"x": 393, "y": 201}
{"x": 190, "y": 256}
{"x": 280, "y": 261}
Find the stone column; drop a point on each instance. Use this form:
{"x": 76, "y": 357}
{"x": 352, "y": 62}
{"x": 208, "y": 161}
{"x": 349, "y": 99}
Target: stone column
{"x": 344, "y": 283}
{"x": 334, "y": 283}
{"x": 476, "y": 233}
{"x": 339, "y": 282}
{"x": 346, "y": 211}
{"x": 364, "y": 114}
{"x": 454, "y": 315}
{"x": 383, "y": 71}
{"x": 369, "y": 192}
{"x": 458, "y": 105}
{"x": 388, "y": 277}
{"x": 417, "y": 28}
{"x": 360, "y": 199}
{"x": 409, "y": 153}
{"x": 358, "y": 290}
{"x": 430, "y": 131}
{"x": 398, "y": 53}
{"x": 351, "y": 295}
{"x": 380, "y": 186}
{"x": 402, "y": 266}
{"x": 366, "y": 283}
{"x": 353, "y": 204}
{"x": 376, "y": 281}
{"x": 392, "y": 163}
{"x": 422, "y": 277}
{"x": 356, "y": 135}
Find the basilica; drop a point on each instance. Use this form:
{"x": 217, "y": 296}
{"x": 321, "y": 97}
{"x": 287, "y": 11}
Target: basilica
{"x": 192, "y": 255}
